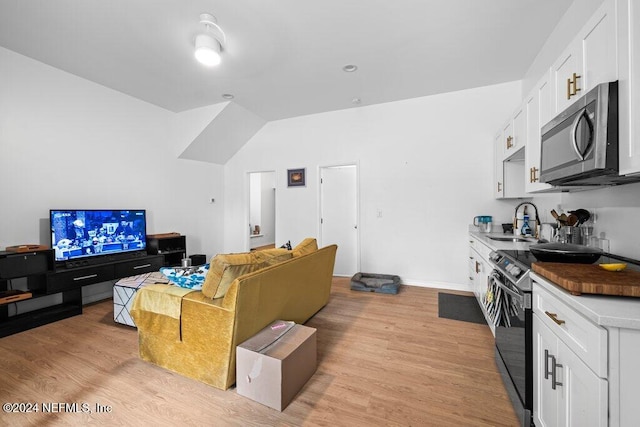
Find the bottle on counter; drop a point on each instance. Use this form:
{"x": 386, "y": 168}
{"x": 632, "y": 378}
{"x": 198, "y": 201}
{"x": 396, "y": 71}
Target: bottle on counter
{"x": 526, "y": 229}
{"x": 517, "y": 226}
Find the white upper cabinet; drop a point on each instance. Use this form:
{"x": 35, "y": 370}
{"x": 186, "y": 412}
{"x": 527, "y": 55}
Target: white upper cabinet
{"x": 519, "y": 132}
{"x": 509, "y": 161}
{"x": 513, "y": 135}
{"x": 507, "y": 139}
{"x": 538, "y": 112}
{"x": 629, "y": 86}
{"x": 589, "y": 60}
{"x": 567, "y": 75}
{"x": 498, "y": 179}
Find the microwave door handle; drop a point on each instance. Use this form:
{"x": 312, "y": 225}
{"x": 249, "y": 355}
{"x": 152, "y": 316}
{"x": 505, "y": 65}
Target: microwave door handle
{"x": 574, "y": 137}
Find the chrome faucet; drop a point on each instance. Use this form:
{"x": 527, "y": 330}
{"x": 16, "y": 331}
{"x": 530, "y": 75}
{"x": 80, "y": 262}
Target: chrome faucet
{"x": 535, "y": 210}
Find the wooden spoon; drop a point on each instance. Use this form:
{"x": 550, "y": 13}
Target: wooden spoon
{"x": 572, "y": 220}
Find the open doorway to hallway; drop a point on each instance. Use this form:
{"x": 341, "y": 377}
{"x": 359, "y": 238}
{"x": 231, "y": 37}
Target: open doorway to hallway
{"x": 262, "y": 210}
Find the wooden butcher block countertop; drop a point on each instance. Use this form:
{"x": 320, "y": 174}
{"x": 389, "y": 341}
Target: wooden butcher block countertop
{"x": 590, "y": 279}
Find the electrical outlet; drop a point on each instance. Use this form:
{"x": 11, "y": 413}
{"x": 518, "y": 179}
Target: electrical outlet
{"x": 379, "y": 213}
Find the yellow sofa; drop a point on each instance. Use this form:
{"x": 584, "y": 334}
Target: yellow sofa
{"x": 196, "y": 336}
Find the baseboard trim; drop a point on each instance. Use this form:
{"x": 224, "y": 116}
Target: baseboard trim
{"x": 429, "y": 284}
{"x": 437, "y": 285}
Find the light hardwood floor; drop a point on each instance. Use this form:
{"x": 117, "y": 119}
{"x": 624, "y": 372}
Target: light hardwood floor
{"x": 382, "y": 360}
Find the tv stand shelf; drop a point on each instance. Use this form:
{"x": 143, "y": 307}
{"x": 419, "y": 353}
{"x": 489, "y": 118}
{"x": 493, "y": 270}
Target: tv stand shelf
{"x": 43, "y": 279}
{"x": 173, "y": 246}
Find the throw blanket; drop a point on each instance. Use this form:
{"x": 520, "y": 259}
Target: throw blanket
{"x": 155, "y": 302}
{"x": 187, "y": 277}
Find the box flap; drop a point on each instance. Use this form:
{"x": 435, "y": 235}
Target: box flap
{"x": 263, "y": 339}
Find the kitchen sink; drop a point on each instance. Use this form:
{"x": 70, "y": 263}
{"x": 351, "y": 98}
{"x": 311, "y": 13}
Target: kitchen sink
{"x": 510, "y": 239}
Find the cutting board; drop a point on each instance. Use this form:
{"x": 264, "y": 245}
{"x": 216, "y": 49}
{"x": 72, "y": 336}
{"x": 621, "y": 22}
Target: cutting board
{"x": 590, "y": 279}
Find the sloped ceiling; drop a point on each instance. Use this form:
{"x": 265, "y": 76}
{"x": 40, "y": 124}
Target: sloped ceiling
{"x": 227, "y": 132}
{"x": 283, "y": 58}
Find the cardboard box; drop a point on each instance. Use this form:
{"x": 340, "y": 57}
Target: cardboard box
{"x": 276, "y": 363}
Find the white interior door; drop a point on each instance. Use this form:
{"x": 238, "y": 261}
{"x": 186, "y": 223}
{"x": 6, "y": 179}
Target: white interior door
{"x": 339, "y": 216}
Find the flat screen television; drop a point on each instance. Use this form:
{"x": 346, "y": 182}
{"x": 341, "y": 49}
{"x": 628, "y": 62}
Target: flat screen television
{"x": 93, "y": 233}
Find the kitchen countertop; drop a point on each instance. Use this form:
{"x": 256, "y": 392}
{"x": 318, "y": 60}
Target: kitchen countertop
{"x": 606, "y": 311}
{"x": 495, "y": 245}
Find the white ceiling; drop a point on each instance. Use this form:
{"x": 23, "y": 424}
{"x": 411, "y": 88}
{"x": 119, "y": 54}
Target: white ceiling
{"x": 284, "y": 58}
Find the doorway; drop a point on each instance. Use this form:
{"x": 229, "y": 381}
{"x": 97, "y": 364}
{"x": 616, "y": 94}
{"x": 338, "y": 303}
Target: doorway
{"x": 262, "y": 210}
{"x": 339, "y": 216}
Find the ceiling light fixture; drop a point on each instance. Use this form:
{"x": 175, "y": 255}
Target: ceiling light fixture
{"x": 227, "y": 96}
{"x": 350, "y": 68}
{"x": 210, "y": 43}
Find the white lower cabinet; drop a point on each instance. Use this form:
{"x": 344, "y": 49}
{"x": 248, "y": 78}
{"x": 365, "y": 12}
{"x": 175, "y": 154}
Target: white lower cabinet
{"x": 479, "y": 271}
{"x": 585, "y": 358}
{"x": 566, "y": 392}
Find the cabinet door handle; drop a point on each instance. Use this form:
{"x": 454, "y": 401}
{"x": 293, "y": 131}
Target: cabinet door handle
{"x": 554, "y": 317}
{"x": 499, "y": 187}
{"x": 569, "y": 88}
{"x": 90, "y": 276}
{"x": 554, "y": 379}
{"x": 141, "y": 266}
{"x": 509, "y": 141}
{"x": 576, "y": 89}
{"x": 477, "y": 267}
{"x": 535, "y": 174}
{"x": 547, "y": 356}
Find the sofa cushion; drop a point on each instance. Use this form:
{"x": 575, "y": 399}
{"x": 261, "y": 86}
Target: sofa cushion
{"x": 307, "y": 246}
{"x": 273, "y": 256}
{"x": 224, "y": 268}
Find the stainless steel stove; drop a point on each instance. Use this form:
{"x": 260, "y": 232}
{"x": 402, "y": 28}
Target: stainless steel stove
{"x": 510, "y": 286}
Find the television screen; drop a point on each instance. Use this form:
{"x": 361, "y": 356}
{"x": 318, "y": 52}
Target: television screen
{"x": 85, "y": 233}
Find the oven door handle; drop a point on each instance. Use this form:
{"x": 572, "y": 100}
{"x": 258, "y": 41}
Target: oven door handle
{"x": 517, "y": 296}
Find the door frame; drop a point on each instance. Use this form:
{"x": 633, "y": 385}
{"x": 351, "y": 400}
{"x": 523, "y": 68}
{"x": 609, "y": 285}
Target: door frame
{"x": 356, "y": 164}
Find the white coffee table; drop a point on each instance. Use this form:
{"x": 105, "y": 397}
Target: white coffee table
{"x": 125, "y": 289}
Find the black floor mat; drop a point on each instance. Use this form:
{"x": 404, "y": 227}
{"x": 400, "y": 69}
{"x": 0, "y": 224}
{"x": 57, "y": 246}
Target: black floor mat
{"x": 460, "y": 307}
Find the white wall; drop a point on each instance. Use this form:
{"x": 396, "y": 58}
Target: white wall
{"x": 617, "y": 211}
{"x": 426, "y": 163}
{"x": 66, "y": 142}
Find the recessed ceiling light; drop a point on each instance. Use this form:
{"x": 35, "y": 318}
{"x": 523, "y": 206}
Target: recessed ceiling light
{"x": 350, "y": 68}
{"x": 227, "y": 96}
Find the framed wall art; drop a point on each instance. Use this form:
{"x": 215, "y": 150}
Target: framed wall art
{"x": 296, "y": 177}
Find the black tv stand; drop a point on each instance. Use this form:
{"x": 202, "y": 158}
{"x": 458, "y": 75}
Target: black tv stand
{"x": 44, "y": 278}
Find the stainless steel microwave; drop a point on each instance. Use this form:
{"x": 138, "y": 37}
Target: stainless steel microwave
{"x": 579, "y": 147}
